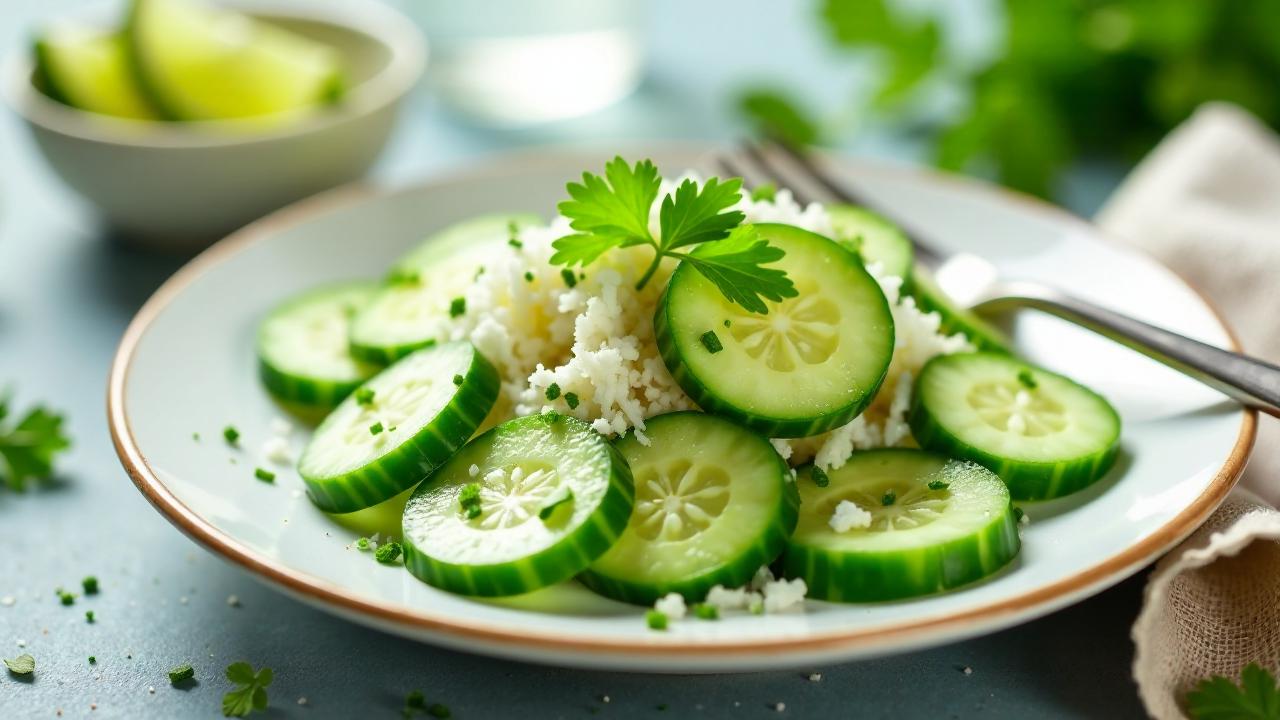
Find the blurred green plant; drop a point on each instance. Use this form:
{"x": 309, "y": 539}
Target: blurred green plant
{"x": 1070, "y": 78}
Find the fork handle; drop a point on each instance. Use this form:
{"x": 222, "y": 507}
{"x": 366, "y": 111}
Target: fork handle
{"x": 1251, "y": 381}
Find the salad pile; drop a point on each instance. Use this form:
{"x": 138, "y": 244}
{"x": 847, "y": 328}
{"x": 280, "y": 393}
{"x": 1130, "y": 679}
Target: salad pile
{"x": 672, "y": 392}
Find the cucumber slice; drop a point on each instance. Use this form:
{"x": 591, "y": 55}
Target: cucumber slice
{"x": 811, "y": 364}
{"x": 1043, "y": 434}
{"x": 87, "y": 68}
{"x": 873, "y": 238}
{"x": 198, "y": 62}
{"x": 412, "y": 311}
{"x": 549, "y": 464}
{"x": 955, "y": 319}
{"x": 302, "y": 346}
{"x": 925, "y": 540}
{"x": 371, "y": 449}
{"x": 714, "y": 502}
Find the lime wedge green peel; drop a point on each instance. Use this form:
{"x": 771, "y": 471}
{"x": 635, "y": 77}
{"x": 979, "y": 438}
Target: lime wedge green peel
{"x": 87, "y": 68}
{"x": 197, "y": 62}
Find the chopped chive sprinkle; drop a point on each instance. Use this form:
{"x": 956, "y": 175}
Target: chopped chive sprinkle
{"x": 264, "y": 475}
{"x": 766, "y": 192}
{"x": 514, "y": 242}
{"x": 457, "y": 306}
{"x": 711, "y": 342}
{"x": 65, "y": 597}
{"x": 703, "y": 611}
{"x": 90, "y": 585}
{"x": 819, "y": 476}
{"x": 362, "y": 543}
{"x": 569, "y": 278}
{"x": 402, "y": 276}
{"x": 656, "y": 620}
{"x": 93, "y": 659}
{"x": 1026, "y": 379}
{"x": 181, "y": 673}
{"x": 469, "y": 500}
{"x": 195, "y": 436}
{"x": 571, "y": 399}
{"x": 553, "y": 391}
{"x": 562, "y": 495}
{"x": 479, "y": 272}
{"x": 415, "y": 700}
{"x": 513, "y": 232}
{"x": 890, "y": 497}
{"x": 231, "y": 434}
{"x": 457, "y": 380}
{"x": 727, "y": 323}
{"x": 387, "y": 552}
{"x": 756, "y": 607}
{"x": 375, "y": 428}
{"x": 939, "y": 484}
{"x": 528, "y": 276}
{"x": 364, "y": 396}
{"x": 437, "y": 710}
{"x": 88, "y": 616}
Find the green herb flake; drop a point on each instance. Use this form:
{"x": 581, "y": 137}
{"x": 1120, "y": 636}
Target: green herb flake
{"x": 571, "y": 399}
{"x": 364, "y": 396}
{"x": 764, "y": 193}
{"x": 28, "y": 447}
{"x": 195, "y": 436}
{"x": 562, "y": 495}
{"x": 438, "y": 710}
{"x": 388, "y": 552}
{"x": 458, "y": 380}
{"x": 1219, "y": 698}
{"x": 528, "y": 276}
{"x": 569, "y": 278}
{"x": 264, "y": 475}
{"x": 375, "y": 428}
{"x": 704, "y": 611}
{"x": 362, "y": 544}
{"x": 890, "y": 497}
{"x": 756, "y": 607}
{"x": 457, "y": 307}
{"x": 469, "y": 500}
{"x": 24, "y": 664}
{"x": 65, "y": 597}
{"x": 404, "y": 276}
{"x": 415, "y": 700}
{"x": 251, "y": 693}
{"x": 727, "y": 323}
{"x": 182, "y": 673}
{"x": 89, "y": 616}
{"x": 939, "y": 484}
{"x": 93, "y": 660}
{"x": 553, "y": 391}
{"x": 656, "y": 620}
{"x": 231, "y": 434}
{"x": 90, "y": 585}
{"x": 711, "y": 342}
{"x": 819, "y": 476}
{"x": 1026, "y": 379}
{"x": 514, "y": 242}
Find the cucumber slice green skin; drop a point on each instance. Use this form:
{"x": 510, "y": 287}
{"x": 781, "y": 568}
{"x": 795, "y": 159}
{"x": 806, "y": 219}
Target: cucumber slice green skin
{"x": 873, "y": 238}
{"x": 603, "y": 496}
{"x": 88, "y": 70}
{"x": 287, "y": 376}
{"x": 860, "y": 567}
{"x": 413, "y": 458}
{"x": 445, "y": 264}
{"x": 1028, "y": 477}
{"x": 734, "y": 392}
{"x": 630, "y": 572}
{"x": 955, "y": 319}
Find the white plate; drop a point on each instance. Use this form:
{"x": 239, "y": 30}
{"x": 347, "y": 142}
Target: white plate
{"x": 186, "y": 365}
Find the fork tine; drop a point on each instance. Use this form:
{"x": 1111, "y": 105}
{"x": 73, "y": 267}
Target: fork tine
{"x": 770, "y": 170}
{"x": 753, "y": 174}
{"x": 812, "y": 169}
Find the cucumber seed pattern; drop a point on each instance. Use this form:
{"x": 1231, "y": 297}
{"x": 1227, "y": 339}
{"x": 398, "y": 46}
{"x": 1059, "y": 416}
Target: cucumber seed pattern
{"x": 512, "y": 496}
{"x": 677, "y": 501}
{"x": 390, "y": 408}
{"x": 914, "y": 506}
{"x": 796, "y": 330}
{"x": 1010, "y": 408}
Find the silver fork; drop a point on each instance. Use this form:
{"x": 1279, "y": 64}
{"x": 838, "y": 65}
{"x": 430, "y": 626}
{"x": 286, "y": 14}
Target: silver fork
{"x": 974, "y": 282}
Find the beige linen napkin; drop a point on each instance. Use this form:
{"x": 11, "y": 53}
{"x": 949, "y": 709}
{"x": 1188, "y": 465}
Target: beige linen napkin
{"x": 1206, "y": 203}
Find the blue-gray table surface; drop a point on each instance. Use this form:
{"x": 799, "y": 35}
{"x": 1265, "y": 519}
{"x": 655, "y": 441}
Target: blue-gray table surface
{"x": 67, "y": 290}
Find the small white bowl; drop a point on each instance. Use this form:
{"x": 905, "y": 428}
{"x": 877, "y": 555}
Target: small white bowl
{"x": 184, "y": 184}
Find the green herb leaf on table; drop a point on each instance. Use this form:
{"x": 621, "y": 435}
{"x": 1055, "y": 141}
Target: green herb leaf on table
{"x": 28, "y": 448}
{"x": 252, "y": 693}
{"x": 1218, "y": 698}
{"x": 22, "y": 665}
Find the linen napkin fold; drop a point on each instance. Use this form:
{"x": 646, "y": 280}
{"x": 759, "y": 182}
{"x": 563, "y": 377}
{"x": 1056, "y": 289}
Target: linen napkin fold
{"x": 1206, "y": 203}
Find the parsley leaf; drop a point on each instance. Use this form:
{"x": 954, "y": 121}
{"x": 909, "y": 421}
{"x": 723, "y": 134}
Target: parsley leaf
{"x": 252, "y": 693}
{"x": 1218, "y": 698}
{"x": 693, "y": 215}
{"x": 27, "y": 448}
{"x": 618, "y": 208}
{"x": 734, "y": 265}
{"x": 22, "y": 665}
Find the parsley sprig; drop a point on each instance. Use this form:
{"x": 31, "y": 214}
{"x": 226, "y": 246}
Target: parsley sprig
{"x": 613, "y": 212}
{"x": 1218, "y": 698}
{"x": 27, "y": 448}
{"x": 252, "y": 693}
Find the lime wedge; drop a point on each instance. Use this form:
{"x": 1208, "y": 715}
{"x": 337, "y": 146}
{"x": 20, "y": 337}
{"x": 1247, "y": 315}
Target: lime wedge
{"x": 87, "y": 68}
{"x": 197, "y": 62}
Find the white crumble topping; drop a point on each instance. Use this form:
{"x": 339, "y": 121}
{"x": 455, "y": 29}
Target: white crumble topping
{"x": 280, "y": 426}
{"x": 672, "y": 605}
{"x": 783, "y": 595}
{"x": 8, "y": 600}
{"x": 849, "y": 515}
{"x": 276, "y": 449}
{"x": 474, "y": 470}
{"x": 727, "y": 599}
